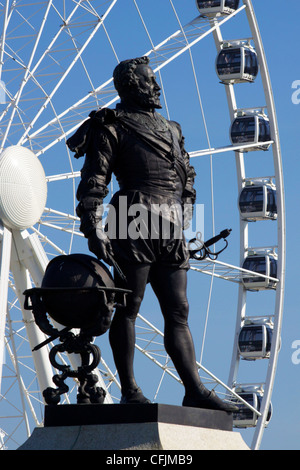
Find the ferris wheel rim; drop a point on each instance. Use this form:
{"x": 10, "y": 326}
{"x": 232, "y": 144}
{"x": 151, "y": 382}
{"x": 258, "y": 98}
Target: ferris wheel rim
{"x": 241, "y": 176}
{"x": 280, "y": 227}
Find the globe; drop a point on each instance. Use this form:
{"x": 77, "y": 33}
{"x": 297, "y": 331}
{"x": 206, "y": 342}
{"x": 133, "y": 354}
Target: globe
{"x": 78, "y": 292}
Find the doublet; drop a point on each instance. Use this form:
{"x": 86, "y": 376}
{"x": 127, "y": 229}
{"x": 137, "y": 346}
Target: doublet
{"x": 143, "y": 150}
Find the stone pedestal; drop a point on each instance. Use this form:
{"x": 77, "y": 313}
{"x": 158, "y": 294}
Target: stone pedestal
{"x": 134, "y": 427}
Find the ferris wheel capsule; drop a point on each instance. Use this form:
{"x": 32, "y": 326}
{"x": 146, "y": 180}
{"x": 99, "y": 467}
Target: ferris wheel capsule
{"x": 217, "y": 7}
{"x": 251, "y": 127}
{"x": 257, "y": 201}
{"x": 255, "y": 338}
{"x": 245, "y": 417}
{"x": 260, "y": 262}
{"x": 237, "y": 63}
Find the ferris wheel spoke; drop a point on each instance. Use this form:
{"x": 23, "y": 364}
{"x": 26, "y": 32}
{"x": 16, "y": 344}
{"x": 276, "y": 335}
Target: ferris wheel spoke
{"x": 61, "y": 221}
{"x": 229, "y": 148}
{"x": 25, "y": 393}
{"x": 64, "y": 176}
{"x": 162, "y": 54}
{"x": 228, "y": 272}
{"x": 154, "y": 350}
{"x": 20, "y": 375}
{"x": 47, "y": 59}
{"x": 6, "y": 17}
{"x": 73, "y": 119}
{"x": 77, "y": 56}
{"x": 47, "y": 242}
{"x": 185, "y": 47}
{"x": 6, "y": 244}
{"x": 26, "y": 74}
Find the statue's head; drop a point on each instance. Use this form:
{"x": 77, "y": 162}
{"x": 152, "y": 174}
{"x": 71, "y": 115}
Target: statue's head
{"x": 136, "y": 83}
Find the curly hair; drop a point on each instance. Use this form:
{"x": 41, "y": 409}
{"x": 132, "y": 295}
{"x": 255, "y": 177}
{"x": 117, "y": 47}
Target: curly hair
{"x": 124, "y": 73}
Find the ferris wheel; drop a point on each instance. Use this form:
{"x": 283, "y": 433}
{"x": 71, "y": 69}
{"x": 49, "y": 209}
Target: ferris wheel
{"x": 56, "y": 63}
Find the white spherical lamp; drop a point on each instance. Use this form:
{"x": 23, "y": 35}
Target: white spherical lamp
{"x": 23, "y": 188}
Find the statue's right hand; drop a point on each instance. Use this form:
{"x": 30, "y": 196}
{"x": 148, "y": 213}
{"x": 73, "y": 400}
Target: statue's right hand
{"x": 99, "y": 244}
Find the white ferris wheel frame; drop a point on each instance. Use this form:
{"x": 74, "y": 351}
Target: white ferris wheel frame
{"x": 22, "y": 253}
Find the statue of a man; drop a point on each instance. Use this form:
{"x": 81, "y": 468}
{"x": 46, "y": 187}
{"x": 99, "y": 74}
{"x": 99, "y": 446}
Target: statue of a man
{"x": 146, "y": 154}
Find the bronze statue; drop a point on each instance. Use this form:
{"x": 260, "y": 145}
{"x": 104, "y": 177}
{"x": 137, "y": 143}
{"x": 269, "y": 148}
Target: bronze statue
{"x": 146, "y": 154}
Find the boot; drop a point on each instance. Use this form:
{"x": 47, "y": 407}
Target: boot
{"x": 208, "y": 400}
{"x": 134, "y": 396}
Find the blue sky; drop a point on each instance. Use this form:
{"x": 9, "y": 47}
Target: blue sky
{"x": 279, "y": 35}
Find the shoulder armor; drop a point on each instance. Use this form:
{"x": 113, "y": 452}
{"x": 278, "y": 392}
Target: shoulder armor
{"x": 104, "y": 115}
{"x": 79, "y": 142}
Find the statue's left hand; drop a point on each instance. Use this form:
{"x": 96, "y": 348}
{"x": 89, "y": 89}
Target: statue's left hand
{"x": 100, "y": 245}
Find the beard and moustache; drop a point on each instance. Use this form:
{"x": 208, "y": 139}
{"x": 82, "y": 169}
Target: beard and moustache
{"x": 145, "y": 100}
{"x": 150, "y": 100}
